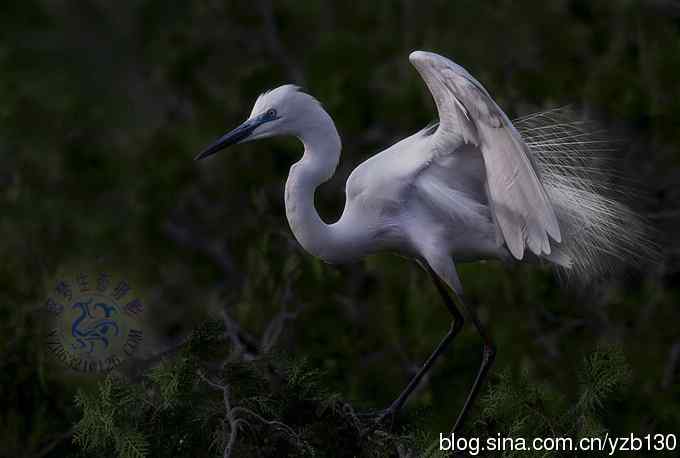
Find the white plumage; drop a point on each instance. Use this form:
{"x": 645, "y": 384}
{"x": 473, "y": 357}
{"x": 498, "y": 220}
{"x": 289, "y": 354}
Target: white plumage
{"x": 468, "y": 116}
{"x": 574, "y": 161}
{"x": 474, "y": 186}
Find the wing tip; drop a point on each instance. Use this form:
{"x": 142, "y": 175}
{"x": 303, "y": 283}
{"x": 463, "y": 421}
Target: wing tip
{"x": 419, "y": 57}
{"x": 516, "y": 248}
{"x": 555, "y": 232}
{"x": 537, "y": 243}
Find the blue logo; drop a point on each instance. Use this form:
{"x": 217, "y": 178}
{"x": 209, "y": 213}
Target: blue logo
{"x": 95, "y": 321}
{"x": 90, "y": 330}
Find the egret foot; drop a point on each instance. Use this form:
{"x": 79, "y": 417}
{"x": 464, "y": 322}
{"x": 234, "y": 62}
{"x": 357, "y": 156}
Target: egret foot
{"x": 375, "y": 419}
{"x": 387, "y": 418}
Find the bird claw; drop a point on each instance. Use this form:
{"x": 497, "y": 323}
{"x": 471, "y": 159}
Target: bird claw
{"x": 381, "y": 418}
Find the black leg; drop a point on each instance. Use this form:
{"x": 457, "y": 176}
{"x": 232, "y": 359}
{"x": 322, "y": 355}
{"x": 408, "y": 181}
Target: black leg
{"x": 454, "y": 329}
{"x": 488, "y": 356}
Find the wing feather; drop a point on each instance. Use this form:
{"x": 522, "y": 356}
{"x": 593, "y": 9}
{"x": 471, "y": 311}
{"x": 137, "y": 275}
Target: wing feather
{"x": 519, "y": 203}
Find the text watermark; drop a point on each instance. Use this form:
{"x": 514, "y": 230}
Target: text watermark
{"x": 606, "y": 444}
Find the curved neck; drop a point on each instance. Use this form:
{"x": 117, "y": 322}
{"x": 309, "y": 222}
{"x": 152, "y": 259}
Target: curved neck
{"x": 319, "y": 161}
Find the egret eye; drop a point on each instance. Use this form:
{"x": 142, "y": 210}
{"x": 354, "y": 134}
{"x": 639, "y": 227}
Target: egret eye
{"x": 271, "y": 113}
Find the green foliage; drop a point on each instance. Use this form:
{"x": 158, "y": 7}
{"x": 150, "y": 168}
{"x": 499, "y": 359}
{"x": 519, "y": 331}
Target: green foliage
{"x": 273, "y": 405}
{"x": 526, "y": 407}
{"x": 276, "y": 405}
{"x": 111, "y": 420}
{"x": 602, "y": 373}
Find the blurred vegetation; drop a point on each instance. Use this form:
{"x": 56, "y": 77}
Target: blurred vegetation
{"x": 271, "y": 406}
{"x": 103, "y": 106}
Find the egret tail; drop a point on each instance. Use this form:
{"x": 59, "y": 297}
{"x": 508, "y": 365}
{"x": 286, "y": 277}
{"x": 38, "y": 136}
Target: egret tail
{"x": 573, "y": 160}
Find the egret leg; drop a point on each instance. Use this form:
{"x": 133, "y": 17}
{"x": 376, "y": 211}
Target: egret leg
{"x": 456, "y": 325}
{"x": 488, "y": 357}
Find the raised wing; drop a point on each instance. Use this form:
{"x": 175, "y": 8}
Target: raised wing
{"x": 518, "y": 201}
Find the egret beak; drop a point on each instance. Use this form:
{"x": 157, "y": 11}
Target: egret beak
{"x": 235, "y": 136}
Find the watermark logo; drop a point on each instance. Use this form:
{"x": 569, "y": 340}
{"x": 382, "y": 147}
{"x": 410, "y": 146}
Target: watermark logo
{"x": 95, "y": 321}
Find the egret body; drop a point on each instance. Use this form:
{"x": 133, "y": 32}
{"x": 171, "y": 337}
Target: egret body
{"x": 466, "y": 189}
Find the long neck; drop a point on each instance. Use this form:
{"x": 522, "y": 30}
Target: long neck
{"x": 319, "y": 161}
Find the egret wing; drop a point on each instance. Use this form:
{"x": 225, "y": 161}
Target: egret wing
{"x": 518, "y": 202}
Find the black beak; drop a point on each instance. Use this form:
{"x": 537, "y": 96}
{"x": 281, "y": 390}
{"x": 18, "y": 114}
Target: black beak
{"x": 235, "y": 136}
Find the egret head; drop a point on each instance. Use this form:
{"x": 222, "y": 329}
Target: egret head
{"x": 282, "y": 111}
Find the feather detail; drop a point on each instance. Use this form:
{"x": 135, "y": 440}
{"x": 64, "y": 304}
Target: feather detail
{"x": 574, "y": 161}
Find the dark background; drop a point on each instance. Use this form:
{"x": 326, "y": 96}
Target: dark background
{"x": 103, "y": 106}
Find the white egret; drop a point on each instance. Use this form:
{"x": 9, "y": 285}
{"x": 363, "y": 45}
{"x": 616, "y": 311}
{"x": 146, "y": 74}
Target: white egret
{"x": 471, "y": 187}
